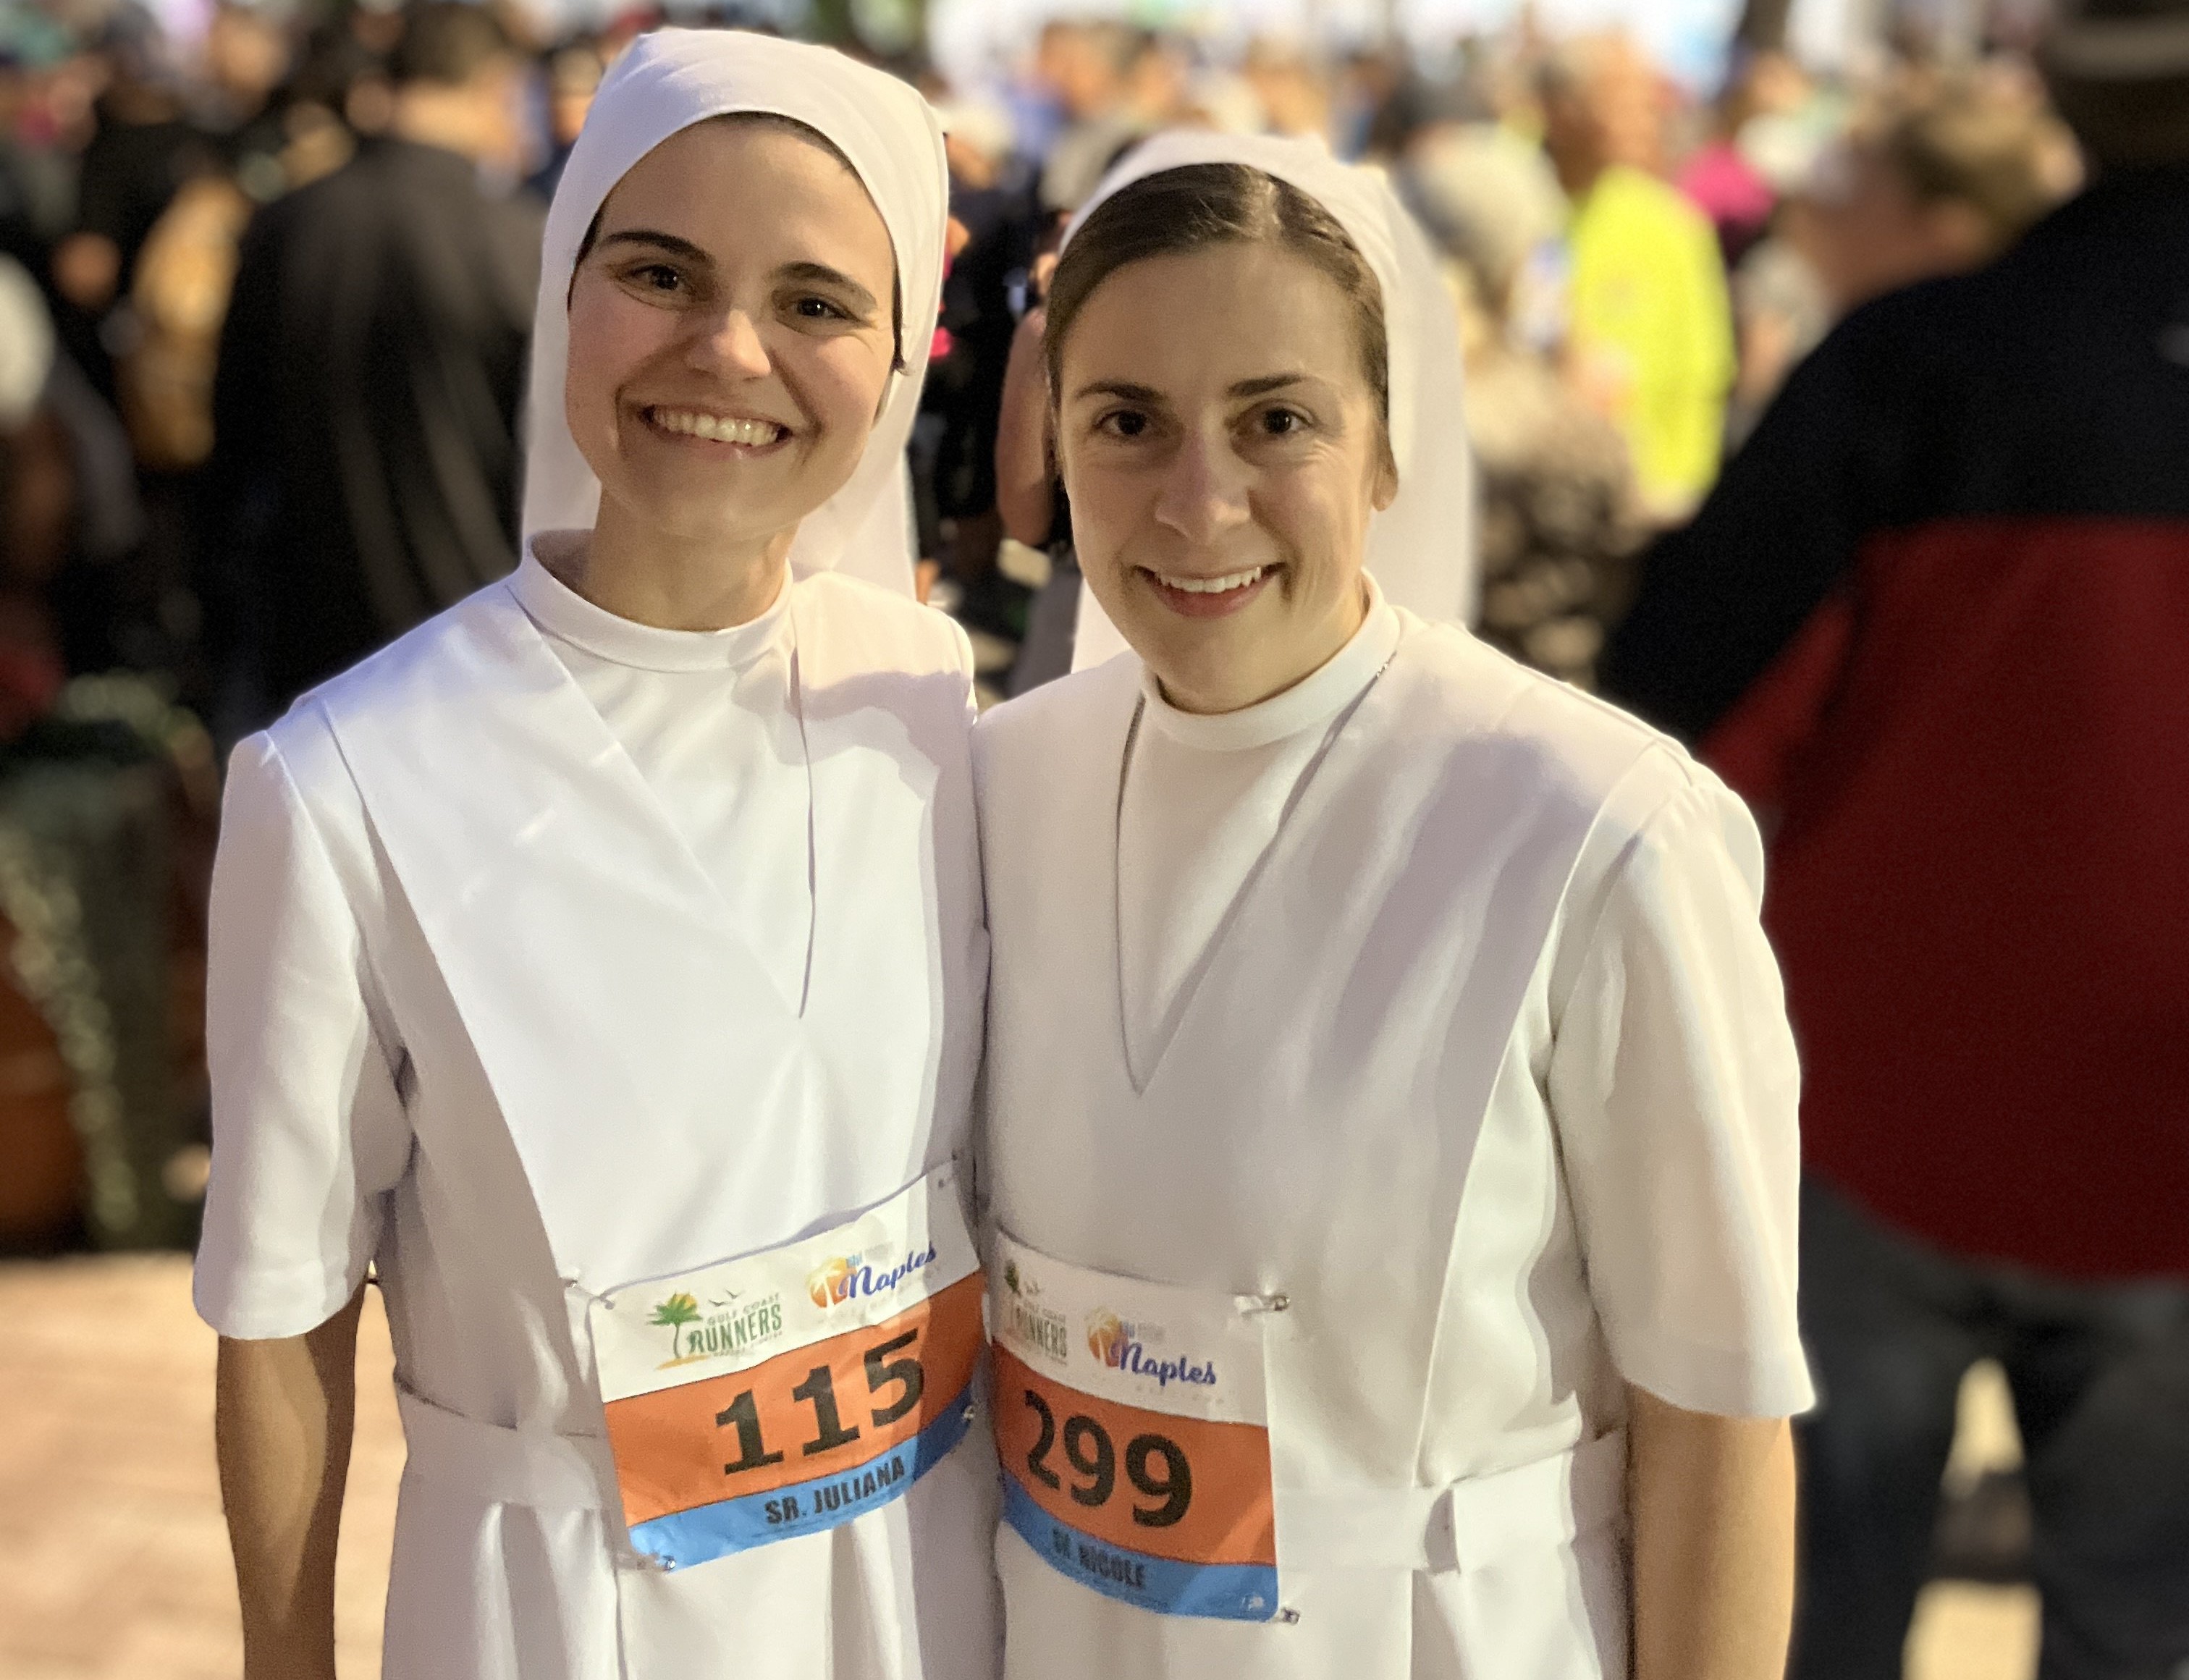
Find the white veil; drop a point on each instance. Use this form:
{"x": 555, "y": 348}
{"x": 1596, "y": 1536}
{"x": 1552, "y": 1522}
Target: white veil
{"x": 668, "y": 81}
{"x": 1421, "y": 548}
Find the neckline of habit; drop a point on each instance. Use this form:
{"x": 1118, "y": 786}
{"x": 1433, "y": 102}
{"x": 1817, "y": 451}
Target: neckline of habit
{"x": 1312, "y": 701}
{"x": 566, "y": 616}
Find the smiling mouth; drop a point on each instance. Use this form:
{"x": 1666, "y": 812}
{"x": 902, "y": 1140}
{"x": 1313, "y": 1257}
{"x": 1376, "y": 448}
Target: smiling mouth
{"x": 719, "y": 428}
{"x": 1223, "y": 585}
{"x": 1208, "y": 597}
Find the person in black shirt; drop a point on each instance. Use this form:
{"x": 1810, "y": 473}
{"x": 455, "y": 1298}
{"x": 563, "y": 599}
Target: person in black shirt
{"x": 366, "y": 457}
{"x": 1932, "y": 619}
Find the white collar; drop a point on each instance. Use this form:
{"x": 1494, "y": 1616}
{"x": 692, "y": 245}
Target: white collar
{"x": 563, "y": 613}
{"x": 1312, "y": 701}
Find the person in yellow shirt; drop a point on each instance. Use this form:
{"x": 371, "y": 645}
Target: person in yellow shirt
{"x": 1649, "y": 325}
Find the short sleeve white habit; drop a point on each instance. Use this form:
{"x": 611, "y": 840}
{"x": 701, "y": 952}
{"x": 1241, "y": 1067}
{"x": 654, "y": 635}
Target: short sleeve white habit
{"x": 550, "y": 952}
{"x": 1582, "y": 1176}
{"x": 354, "y": 1123}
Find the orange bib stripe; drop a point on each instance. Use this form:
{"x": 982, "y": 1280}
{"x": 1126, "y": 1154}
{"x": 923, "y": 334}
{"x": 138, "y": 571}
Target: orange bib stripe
{"x": 672, "y": 1451}
{"x": 1230, "y": 1518}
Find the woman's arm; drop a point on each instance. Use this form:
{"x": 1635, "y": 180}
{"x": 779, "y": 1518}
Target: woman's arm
{"x": 1023, "y": 495}
{"x": 283, "y": 1416}
{"x": 1712, "y": 1503}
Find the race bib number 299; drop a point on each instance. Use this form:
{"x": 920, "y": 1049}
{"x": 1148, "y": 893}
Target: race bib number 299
{"x": 793, "y": 1390}
{"x": 1132, "y": 1419}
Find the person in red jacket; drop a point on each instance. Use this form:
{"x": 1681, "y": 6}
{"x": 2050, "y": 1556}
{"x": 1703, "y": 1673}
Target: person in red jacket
{"x": 1935, "y": 620}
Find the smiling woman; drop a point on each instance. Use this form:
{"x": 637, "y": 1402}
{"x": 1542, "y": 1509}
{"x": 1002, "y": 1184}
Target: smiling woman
{"x": 728, "y": 358}
{"x": 624, "y": 924}
{"x": 1223, "y": 460}
{"x": 1379, "y": 1028}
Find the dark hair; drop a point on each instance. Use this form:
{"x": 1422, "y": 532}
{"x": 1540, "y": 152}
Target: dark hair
{"x": 804, "y": 131}
{"x": 1195, "y": 207}
{"x": 447, "y": 42}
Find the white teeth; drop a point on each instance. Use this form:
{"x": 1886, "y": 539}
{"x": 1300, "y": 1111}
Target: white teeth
{"x": 1210, "y": 586}
{"x": 721, "y": 428}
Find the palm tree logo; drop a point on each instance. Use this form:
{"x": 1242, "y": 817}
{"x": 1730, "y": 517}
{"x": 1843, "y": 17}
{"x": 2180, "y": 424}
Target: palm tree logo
{"x": 673, "y": 1315}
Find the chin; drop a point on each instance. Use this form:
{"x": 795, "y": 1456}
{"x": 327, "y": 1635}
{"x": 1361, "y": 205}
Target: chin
{"x": 711, "y": 517}
{"x": 1195, "y": 656}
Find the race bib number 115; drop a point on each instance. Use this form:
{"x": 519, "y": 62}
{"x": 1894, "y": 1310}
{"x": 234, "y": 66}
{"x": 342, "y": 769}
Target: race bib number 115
{"x": 1133, "y": 1422}
{"x": 793, "y": 1390}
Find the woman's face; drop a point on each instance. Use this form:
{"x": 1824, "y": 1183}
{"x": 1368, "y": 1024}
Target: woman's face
{"x": 1222, "y": 452}
{"x": 730, "y": 334}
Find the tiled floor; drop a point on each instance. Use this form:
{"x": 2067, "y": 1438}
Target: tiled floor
{"x": 113, "y": 1561}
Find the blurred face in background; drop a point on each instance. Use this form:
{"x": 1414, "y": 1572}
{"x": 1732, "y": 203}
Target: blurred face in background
{"x": 1224, "y": 453}
{"x": 1080, "y": 62}
{"x": 1603, "y": 104}
{"x": 247, "y": 54}
{"x": 1867, "y": 231}
{"x": 573, "y": 77}
{"x": 731, "y": 335}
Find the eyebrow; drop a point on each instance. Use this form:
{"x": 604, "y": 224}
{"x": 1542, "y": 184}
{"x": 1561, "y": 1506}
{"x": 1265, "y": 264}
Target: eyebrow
{"x": 1118, "y": 387}
{"x": 827, "y": 276}
{"x": 1146, "y": 394}
{"x": 681, "y": 247}
{"x": 1267, "y": 383}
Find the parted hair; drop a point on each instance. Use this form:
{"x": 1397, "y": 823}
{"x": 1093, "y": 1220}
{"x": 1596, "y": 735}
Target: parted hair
{"x": 1196, "y": 207}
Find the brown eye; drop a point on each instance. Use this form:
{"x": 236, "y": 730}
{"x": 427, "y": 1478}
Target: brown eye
{"x": 1282, "y": 422}
{"x": 1124, "y": 423}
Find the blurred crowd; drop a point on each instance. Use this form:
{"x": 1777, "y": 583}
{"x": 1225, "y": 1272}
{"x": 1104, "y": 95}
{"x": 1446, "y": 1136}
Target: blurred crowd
{"x": 254, "y": 425}
{"x": 266, "y": 284}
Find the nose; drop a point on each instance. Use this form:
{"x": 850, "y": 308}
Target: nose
{"x": 731, "y": 344}
{"x": 1204, "y": 493}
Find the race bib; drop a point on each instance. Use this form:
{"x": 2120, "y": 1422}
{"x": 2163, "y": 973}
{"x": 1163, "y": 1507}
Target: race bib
{"x": 791, "y": 1391}
{"x": 1133, "y": 1421}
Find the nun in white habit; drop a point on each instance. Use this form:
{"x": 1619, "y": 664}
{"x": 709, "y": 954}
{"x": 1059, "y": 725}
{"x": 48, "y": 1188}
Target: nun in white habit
{"x": 1389, "y": 1105}
{"x": 602, "y": 965}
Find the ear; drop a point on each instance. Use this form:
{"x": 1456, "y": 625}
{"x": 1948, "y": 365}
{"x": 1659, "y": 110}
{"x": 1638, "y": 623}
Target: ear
{"x": 1386, "y": 490}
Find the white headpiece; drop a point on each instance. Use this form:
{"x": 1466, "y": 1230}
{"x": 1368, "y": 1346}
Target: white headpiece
{"x": 668, "y": 81}
{"x": 1421, "y": 548}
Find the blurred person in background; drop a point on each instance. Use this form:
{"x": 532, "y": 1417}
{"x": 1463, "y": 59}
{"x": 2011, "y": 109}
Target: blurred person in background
{"x": 1030, "y": 499}
{"x": 1650, "y": 333}
{"x": 40, "y": 490}
{"x": 1293, "y": 87}
{"x": 1940, "y": 185}
{"x": 1560, "y": 522}
{"x": 1934, "y": 619}
{"x": 143, "y": 146}
{"x": 1088, "y": 68}
{"x": 370, "y": 370}
{"x": 164, "y": 334}
{"x": 1941, "y": 180}
{"x": 40, "y": 73}
{"x": 996, "y": 221}
{"x": 247, "y": 52}
{"x": 574, "y": 77}
{"x": 1721, "y": 176}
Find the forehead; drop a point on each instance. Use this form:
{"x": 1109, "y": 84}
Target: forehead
{"x": 1229, "y": 312}
{"x": 730, "y": 186}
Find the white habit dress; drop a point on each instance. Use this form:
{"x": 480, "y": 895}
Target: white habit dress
{"x": 1425, "y": 1006}
{"x": 552, "y": 953}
